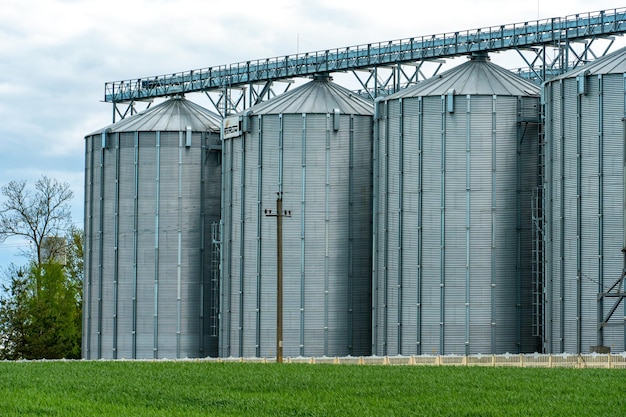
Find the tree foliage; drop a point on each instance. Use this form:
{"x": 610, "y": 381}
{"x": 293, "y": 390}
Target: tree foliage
{"x": 39, "y": 216}
{"x": 13, "y": 316}
{"x": 42, "y": 316}
{"x": 54, "y": 325}
{"x": 41, "y": 308}
{"x": 74, "y": 257}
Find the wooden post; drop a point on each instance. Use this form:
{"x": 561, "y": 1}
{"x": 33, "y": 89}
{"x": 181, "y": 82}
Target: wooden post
{"x": 279, "y": 272}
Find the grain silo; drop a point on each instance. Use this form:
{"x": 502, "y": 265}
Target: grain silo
{"x": 313, "y": 146}
{"x": 455, "y": 164}
{"x": 152, "y": 191}
{"x": 584, "y": 201}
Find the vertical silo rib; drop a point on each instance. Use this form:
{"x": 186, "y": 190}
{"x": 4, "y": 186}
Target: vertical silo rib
{"x": 281, "y": 132}
{"x": 135, "y": 244}
{"x": 229, "y": 275}
{"x": 101, "y": 243}
{"x": 242, "y": 247}
{"x": 468, "y": 192}
{"x": 400, "y": 223}
{"x": 155, "y": 345}
{"x": 179, "y": 255}
{"x": 351, "y": 227}
{"x": 562, "y": 221}
{"x": 217, "y": 277}
{"x": 442, "y": 231}
{"x": 385, "y": 266}
{"x": 623, "y": 194}
{"x": 201, "y": 283}
{"x": 548, "y": 210}
{"x": 259, "y": 247}
{"x": 375, "y": 218}
{"x": 420, "y": 181}
{"x": 518, "y": 227}
{"x": 494, "y": 137}
{"x": 303, "y": 235}
{"x": 279, "y": 245}
{"x": 579, "y": 122}
{"x": 225, "y": 219}
{"x": 600, "y": 280}
{"x": 116, "y": 241}
{"x": 550, "y": 221}
{"x": 224, "y": 309}
{"x": 85, "y": 325}
{"x": 224, "y": 288}
{"x": 326, "y": 233}
{"x": 518, "y": 210}
{"x": 601, "y": 201}
{"x": 89, "y": 184}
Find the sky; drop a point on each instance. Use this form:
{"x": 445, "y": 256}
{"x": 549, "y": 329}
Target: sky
{"x": 56, "y": 55}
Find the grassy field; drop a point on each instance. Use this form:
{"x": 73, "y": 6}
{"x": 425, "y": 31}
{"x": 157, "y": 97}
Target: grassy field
{"x": 235, "y": 389}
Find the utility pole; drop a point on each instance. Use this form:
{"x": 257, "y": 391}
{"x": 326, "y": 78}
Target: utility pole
{"x": 279, "y": 214}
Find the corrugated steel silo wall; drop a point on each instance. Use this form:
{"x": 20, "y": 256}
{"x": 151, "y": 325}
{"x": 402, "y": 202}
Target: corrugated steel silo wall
{"x": 584, "y": 201}
{"x": 147, "y": 232}
{"x": 325, "y": 177}
{"x": 449, "y": 273}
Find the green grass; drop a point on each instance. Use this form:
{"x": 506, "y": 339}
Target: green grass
{"x": 127, "y": 388}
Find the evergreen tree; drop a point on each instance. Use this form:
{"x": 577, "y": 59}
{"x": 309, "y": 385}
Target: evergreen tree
{"x": 53, "y": 315}
{"x": 41, "y": 308}
{"x": 13, "y": 314}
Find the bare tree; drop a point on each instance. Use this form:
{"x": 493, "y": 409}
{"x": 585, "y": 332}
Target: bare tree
{"x": 41, "y": 216}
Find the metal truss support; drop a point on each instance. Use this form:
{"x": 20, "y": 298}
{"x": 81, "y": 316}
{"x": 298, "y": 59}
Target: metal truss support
{"x": 379, "y": 54}
{"x": 130, "y": 109}
{"x": 228, "y": 101}
{"x": 385, "y": 80}
{"x": 384, "y": 67}
{"x": 224, "y": 102}
{"x": 566, "y": 56}
{"x": 616, "y": 291}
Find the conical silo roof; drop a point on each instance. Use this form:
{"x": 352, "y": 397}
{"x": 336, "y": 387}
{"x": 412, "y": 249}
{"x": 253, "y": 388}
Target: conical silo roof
{"x": 173, "y": 115}
{"x": 613, "y": 63}
{"x": 319, "y": 96}
{"x": 478, "y": 76}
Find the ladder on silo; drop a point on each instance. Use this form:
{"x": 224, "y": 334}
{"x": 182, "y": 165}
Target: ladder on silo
{"x": 537, "y": 262}
{"x": 216, "y": 251}
{"x": 538, "y": 243}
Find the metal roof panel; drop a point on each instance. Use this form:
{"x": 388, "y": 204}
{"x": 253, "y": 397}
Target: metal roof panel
{"x": 173, "y": 115}
{"x": 613, "y": 63}
{"x": 320, "y": 96}
{"x": 475, "y": 77}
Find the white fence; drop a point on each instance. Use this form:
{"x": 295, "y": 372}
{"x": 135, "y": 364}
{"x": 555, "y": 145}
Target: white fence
{"x": 591, "y": 360}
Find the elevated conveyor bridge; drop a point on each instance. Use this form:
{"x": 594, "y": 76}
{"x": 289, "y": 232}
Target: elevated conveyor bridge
{"x": 383, "y": 67}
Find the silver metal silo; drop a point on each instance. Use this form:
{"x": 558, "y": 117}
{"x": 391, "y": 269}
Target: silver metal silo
{"x": 584, "y": 200}
{"x": 313, "y": 146}
{"x": 152, "y": 190}
{"x": 454, "y": 169}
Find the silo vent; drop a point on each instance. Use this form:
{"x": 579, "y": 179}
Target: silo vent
{"x": 322, "y": 77}
{"x": 336, "y": 119}
{"x": 450, "y": 100}
{"x": 188, "y": 137}
{"x": 482, "y": 56}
